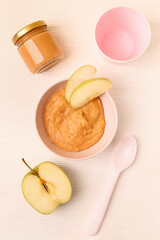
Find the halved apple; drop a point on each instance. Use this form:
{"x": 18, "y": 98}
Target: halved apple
{"x": 80, "y": 75}
{"x": 89, "y": 90}
{"x": 46, "y": 187}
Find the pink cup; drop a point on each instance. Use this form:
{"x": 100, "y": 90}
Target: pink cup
{"x": 122, "y": 34}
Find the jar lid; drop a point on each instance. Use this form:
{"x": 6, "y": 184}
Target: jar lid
{"x": 27, "y": 29}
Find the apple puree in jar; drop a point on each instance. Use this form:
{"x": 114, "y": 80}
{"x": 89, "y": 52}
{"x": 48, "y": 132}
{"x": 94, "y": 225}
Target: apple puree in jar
{"x": 38, "y": 47}
{"x": 72, "y": 129}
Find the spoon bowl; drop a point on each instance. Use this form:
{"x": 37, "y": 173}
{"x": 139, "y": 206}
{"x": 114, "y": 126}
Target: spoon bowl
{"x": 124, "y": 154}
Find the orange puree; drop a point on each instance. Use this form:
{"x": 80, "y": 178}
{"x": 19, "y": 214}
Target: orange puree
{"x": 37, "y": 47}
{"x": 73, "y": 129}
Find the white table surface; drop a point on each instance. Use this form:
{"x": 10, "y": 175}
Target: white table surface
{"x": 134, "y": 212}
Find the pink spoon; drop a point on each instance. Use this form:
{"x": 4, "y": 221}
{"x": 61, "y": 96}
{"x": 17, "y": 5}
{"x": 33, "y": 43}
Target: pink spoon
{"x": 123, "y": 157}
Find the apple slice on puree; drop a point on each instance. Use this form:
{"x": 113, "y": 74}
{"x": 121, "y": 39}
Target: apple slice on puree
{"x": 80, "y": 75}
{"x": 89, "y": 90}
{"x": 46, "y": 187}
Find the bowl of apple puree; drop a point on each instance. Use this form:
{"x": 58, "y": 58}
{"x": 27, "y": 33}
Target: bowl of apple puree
{"x": 75, "y": 133}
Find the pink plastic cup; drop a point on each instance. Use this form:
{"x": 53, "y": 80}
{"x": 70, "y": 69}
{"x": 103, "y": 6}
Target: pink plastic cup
{"x": 122, "y": 34}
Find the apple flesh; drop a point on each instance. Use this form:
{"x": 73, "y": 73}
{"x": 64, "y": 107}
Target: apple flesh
{"x": 89, "y": 90}
{"x": 80, "y": 75}
{"x": 46, "y": 189}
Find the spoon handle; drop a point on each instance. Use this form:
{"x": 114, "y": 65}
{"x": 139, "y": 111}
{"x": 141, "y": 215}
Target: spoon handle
{"x": 95, "y": 220}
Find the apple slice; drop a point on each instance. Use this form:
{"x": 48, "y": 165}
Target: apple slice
{"x": 46, "y": 187}
{"x": 89, "y": 90}
{"x": 80, "y": 75}
{"x": 37, "y": 196}
{"x": 56, "y": 180}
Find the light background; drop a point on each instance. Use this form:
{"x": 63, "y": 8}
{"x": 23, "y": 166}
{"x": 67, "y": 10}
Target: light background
{"x": 134, "y": 212}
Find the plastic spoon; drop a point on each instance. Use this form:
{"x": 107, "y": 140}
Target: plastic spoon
{"x": 123, "y": 157}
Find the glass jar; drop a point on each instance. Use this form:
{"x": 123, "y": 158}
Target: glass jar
{"x": 37, "y": 47}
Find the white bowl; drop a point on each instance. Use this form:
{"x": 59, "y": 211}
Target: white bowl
{"x": 110, "y": 129}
